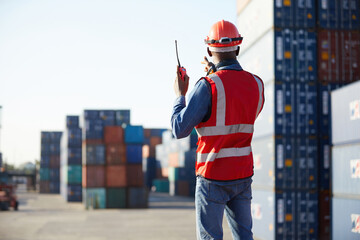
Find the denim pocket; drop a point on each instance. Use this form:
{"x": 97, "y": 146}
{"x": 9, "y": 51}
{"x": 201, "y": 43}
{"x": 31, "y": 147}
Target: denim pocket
{"x": 217, "y": 193}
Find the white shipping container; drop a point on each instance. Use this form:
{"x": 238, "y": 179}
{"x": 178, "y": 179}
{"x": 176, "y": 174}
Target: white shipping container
{"x": 345, "y": 114}
{"x": 259, "y": 59}
{"x": 255, "y": 20}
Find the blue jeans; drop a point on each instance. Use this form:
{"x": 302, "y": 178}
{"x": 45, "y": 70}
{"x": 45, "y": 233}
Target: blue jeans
{"x": 212, "y": 198}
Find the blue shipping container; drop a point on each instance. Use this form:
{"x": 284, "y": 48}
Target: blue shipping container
{"x": 134, "y": 134}
{"x": 74, "y": 137}
{"x": 72, "y": 121}
{"x": 324, "y": 163}
{"x": 94, "y": 129}
{"x": 284, "y": 108}
{"x": 45, "y": 161}
{"x": 74, "y": 193}
{"x": 74, "y": 156}
{"x": 307, "y": 215}
{"x": 295, "y": 55}
{"x": 108, "y": 116}
{"x": 285, "y": 157}
{"x": 285, "y": 215}
{"x": 134, "y": 153}
{"x": 56, "y": 137}
{"x": 294, "y": 13}
{"x": 339, "y": 14}
{"x": 306, "y": 109}
{"x": 122, "y": 117}
{"x": 91, "y": 114}
{"x": 95, "y": 154}
{"x": 54, "y": 174}
{"x": 324, "y": 106}
{"x": 54, "y": 187}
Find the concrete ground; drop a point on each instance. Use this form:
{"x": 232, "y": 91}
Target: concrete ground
{"x": 49, "y": 217}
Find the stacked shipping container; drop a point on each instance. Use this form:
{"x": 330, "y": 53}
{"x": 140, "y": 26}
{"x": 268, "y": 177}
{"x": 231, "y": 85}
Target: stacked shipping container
{"x": 112, "y": 160}
{"x": 71, "y": 161}
{"x": 176, "y": 165}
{"x": 346, "y": 162}
{"x": 152, "y": 137}
{"x": 299, "y": 71}
{"x": 50, "y": 162}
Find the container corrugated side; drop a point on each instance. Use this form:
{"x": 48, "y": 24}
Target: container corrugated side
{"x": 346, "y": 170}
{"x": 254, "y": 21}
{"x": 94, "y": 198}
{"x": 345, "y": 218}
{"x": 264, "y": 158}
{"x": 296, "y": 13}
{"x": 263, "y": 214}
{"x": 345, "y": 114}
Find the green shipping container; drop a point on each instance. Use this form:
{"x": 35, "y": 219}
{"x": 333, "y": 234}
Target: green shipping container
{"x": 94, "y": 198}
{"x": 44, "y": 174}
{"x": 74, "y": 174}
{"x": 161, "y": 185}
{"x": 116, "y": 197}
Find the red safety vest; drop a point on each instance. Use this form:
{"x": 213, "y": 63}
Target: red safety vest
{"x": 224, "y": 145}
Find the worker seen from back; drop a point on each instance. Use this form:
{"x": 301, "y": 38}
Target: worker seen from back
{"x": 222, "y": 108}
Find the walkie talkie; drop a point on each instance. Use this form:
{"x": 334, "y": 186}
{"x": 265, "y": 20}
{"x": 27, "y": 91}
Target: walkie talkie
{"x": 182, "y": 70}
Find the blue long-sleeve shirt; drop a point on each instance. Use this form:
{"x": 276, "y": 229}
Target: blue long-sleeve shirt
{"x": 198, "y": 109}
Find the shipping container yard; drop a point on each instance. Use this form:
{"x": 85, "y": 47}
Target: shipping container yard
{"x": 105, "y": 176}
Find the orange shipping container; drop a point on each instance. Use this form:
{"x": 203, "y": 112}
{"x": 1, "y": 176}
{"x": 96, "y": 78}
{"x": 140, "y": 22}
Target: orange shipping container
{"x": 113, "y": 134}
{"x": 135, "y": 176}
{"x": 174, "y": 159}
{"x": 93, "y": 176}
{"x": 116, "y": 176}
{"x": 115, "y": 154}
{"x": 165, "y": 172}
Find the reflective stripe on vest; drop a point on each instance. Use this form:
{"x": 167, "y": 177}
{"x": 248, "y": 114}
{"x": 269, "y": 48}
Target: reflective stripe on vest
{"x": 261, "y": 89}
{"x": 223, "y": 153}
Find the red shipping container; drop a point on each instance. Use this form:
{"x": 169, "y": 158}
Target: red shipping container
{"x": 153, "y": 142}
{"x": 92, "y": 142}
{"x": 183, "y": 188}
{"x": 115, "y": 154}
{"x": 93, "y": 176}
{"x": 113, "y": 134}
{"x": 324, "y": 215}
{"x": 54, "y": 161}
{"x": 116, "y": 176}
{"x": 338, "y": 56}
{"x": 135, "y": 176}
{"x": 44, "y": 187}
{"x": 147, "y": 132}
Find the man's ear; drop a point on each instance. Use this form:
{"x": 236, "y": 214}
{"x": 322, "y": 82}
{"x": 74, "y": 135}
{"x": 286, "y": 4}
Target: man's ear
{"x": 237, "y": 51}
{"x": 210, "y": 54}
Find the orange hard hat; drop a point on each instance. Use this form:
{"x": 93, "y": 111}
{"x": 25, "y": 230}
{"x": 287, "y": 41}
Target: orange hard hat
{"x": 223, "y": 34}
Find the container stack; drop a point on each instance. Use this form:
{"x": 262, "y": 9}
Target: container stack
{"x": 338, "y": 65}
{"x": 50, "y": 162}
{"x": 152, "y": 137}
{"x": 112, "y": 161}
{"x": 280, "y": 46}
{"x": 176, "y": 164}
{"x": 71, "y": 161}
{"x": 305, "y": 58}
{"x": 345, "y": 104}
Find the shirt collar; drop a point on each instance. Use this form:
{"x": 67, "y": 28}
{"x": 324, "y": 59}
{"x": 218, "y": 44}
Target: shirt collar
{"x": 230, "y": 64}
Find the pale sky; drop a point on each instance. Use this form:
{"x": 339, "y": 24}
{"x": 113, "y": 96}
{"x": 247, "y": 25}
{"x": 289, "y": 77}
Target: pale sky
{"x": 59, "y": 57}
